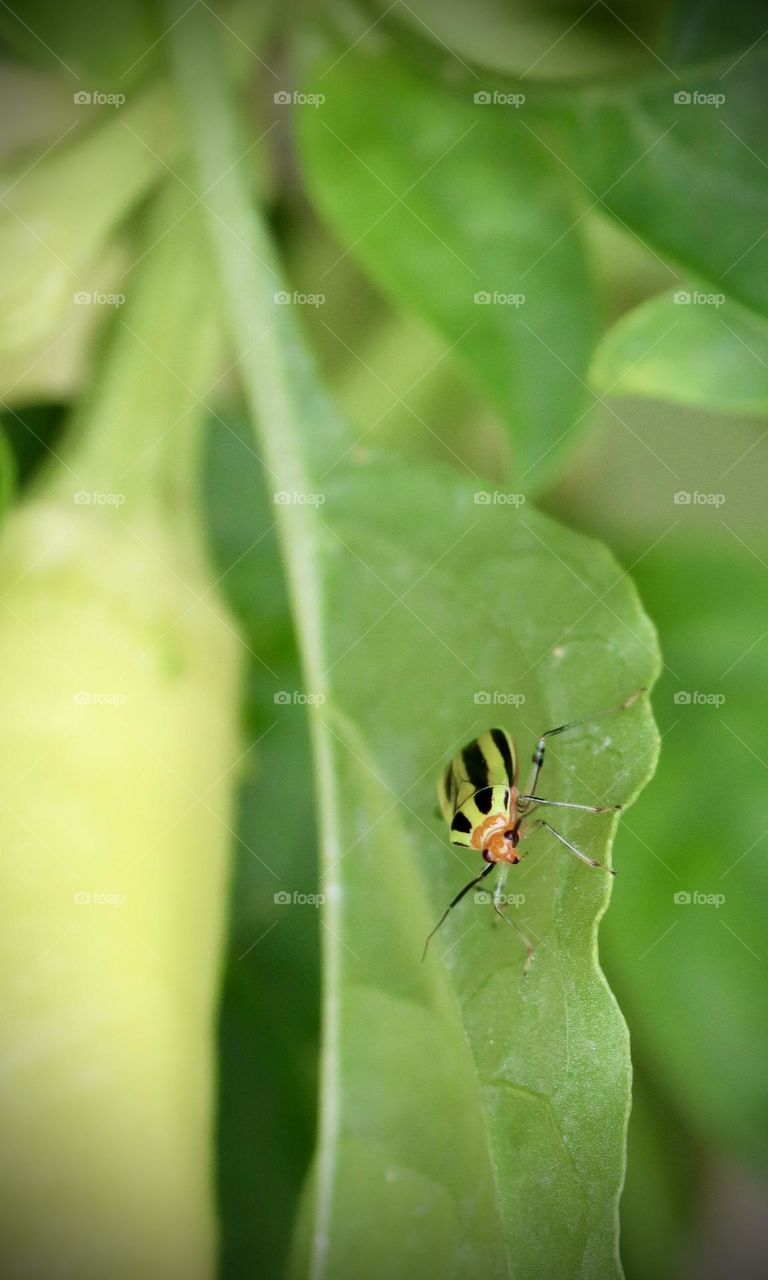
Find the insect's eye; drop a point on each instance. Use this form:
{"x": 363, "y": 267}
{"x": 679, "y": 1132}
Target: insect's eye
{"x": 509, "y": 835}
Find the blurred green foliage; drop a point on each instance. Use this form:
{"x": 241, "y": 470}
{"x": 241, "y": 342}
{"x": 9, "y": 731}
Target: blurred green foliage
{"x": 515, "y": 303}
{"x": 677, "y": 347}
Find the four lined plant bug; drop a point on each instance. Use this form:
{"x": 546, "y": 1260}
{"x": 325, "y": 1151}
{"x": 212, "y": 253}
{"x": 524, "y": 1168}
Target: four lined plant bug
{"x": 486, "y": 811}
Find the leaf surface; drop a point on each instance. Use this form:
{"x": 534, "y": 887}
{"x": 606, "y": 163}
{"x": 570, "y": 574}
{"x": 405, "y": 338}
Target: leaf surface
{"x": 460, "y": 216}
{"x": 691, "y": 348}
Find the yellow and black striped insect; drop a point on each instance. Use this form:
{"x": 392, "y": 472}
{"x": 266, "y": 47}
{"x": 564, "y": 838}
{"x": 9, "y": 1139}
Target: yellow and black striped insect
{"x": 485, "y": 809}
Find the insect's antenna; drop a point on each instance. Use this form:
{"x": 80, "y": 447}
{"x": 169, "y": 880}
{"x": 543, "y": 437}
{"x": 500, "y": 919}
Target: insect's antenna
{"x": 485, "y": 872}
{"x": 594, "y": 715}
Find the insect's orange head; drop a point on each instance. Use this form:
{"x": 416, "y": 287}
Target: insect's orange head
{"x": 501, "y": 846}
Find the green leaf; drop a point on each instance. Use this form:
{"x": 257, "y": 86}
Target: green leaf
{"x": 703, "y": 30}
{"x": 460, "y": 205}
{"x": 266, "y": 1113}
{"x": 57, "y": 215}
{"x": 472, "y": 1121}
{"x": 530, "y": 37}
{"x": 690, "y": 974}
{"x": 32, "y": 436}
{"x": 689, "y": 178}
{"x": 266, "y": 1100}
{"x": 688, "y": 347}
{"x": 495, "y": 1099}
{"x": 71, "y": 39}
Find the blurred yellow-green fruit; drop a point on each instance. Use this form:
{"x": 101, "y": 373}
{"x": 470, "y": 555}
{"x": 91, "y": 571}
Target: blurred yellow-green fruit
{"x": 118, "y": 694}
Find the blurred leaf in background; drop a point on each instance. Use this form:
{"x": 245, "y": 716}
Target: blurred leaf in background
{"x": 8, "y": 472}
{"x": 652, "y": 152}
{"x": 477, "y": 247}
{"x": 72, "y": 39}
{"x": 268, "y": 1028}
{"x": 686, "y": 937}
{"x": 682, "y": 347}
{"x": 57, "y": 215}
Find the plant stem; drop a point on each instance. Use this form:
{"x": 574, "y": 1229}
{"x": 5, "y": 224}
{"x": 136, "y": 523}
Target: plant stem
{"x": 298, "y": 436}
{"x": 138, "y": 432}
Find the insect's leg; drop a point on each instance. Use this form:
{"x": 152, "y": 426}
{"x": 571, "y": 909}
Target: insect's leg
{"x": 566, "y": 804}
{"x": 591, "y": 862}
{"x": 541, "y": 745}
{"x": 485, "y": 872}
{"x": 508, "y": 920}
{"x": 498, "y": 889}
{"x": 537, "y": 761}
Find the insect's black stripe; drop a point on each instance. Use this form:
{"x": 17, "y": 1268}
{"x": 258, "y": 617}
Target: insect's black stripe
{"x": 450, "y": 787}
{"x": 476, "y": 766}
{"x": 502, "y": 746}
{"x": 461, "y": 823}
{"x": 484, "y": 799}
